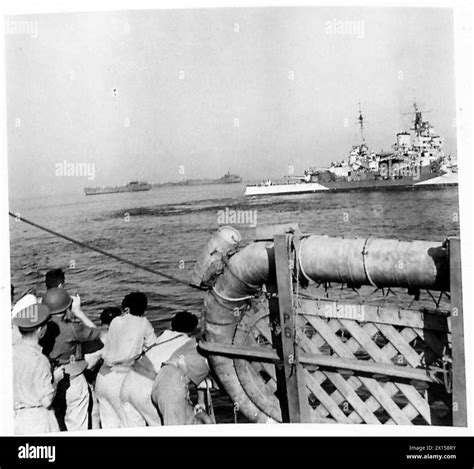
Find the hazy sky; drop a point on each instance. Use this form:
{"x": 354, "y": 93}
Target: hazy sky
{"x": 253, "y": 91}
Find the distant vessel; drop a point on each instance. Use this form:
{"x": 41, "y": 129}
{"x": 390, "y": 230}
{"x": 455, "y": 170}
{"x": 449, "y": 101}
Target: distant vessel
{"x": 417, "y": 159}
{"x": 132, "y": 186}
{"x": 228, "y": 178}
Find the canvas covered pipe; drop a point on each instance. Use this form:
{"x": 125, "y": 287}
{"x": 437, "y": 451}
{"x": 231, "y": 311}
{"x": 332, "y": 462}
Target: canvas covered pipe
{"x": 247, "y": 271}
{"x": 228, "y": 294}
{"x": 374, "y": 261}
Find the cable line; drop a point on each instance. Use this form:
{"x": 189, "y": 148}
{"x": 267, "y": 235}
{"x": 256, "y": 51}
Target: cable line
{"x": 105, "y": 253}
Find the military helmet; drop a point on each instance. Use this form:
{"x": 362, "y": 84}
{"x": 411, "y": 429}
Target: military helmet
{"x": 57, "y": 299}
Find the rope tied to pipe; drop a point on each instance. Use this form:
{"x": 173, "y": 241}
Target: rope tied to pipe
{"x": 298, "y": 243}
{"x": 365, "y": 253}
{"x": 235, "y": 300}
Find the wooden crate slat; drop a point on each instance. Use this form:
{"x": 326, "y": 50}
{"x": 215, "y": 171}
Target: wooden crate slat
{"x": 399, "y": 342}
{"x": 385, "y": 370}
{"x": 385, "y": 399}
{"x": 316, "y": 418}
{"x": 264, "y": 329}
{"x": 371, "y": 329}
{"x": 355, "y": 418}
{"x": 416, "y": 404}
{"x": 316, "y": 339}
{"x": 372, "y": 404}
{"x": 391, "y": 390}
{"x": 344, "y": 391}
{"x": 412, "y": 413}
{"x": 321, "y": 376}
{"x": 379, "y": 314}
{"x": 352, "y": 398}
{"x": 322, "y": 410}
{"x": 325, "y": 399}
{"x": 364, "y": 339}
{"x": 344, "y": 388}
{"x": 338, "y": 398}
{"x": 420, "y": 404}
{"x": 416, "y": 400}
{"x": 408, "y": 335}
{"x": 390, "y": 422}
{"x": 378, "y": 392}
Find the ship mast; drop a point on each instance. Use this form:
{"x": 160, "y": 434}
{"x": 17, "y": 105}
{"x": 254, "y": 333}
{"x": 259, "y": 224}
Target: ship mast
{"x": 418, "y": 119}
{"x": 361, "y": 124}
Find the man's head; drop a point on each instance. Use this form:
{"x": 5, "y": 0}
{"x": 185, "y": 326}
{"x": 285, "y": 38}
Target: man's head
{"x": 57, "y": 300}
{"x": 184, "y": 322}
{"x": 31, "y": 321}
{"x": 54, "y": 278}
{"x": 108, "y": 314}
{"x": 135, "y": 303}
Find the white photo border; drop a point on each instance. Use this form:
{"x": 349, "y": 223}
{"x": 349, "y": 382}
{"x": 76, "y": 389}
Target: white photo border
{"x": 463, "y": 76}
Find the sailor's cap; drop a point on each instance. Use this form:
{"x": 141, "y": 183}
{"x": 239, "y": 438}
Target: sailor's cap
{"x": 27, "y": 300}
{"x": 32, "y": 316}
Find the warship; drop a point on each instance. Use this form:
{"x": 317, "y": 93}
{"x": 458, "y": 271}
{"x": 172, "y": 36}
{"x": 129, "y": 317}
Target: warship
{"x": 416, "y": 160}
{"x": 132, "y": 186}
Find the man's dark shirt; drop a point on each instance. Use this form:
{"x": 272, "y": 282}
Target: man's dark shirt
{"x": 65, "y": 339}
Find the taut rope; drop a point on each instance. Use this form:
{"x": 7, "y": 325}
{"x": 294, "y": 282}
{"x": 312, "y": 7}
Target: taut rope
{"x": 105, "y": 253}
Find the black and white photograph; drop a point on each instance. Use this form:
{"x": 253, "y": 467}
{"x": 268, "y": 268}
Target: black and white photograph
{"x": 244, "y": 215}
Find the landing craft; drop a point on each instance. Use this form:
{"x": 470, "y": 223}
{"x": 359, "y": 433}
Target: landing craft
{"x": 416, "y": 160}
{"x": 133, "y": 186}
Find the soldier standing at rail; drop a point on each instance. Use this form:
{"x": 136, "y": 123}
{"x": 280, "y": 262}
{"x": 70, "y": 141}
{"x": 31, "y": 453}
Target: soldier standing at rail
{"x": 94, "y": 361}
{"x": 63, "y": 344}
{"x": 137, "y": 385}
{"x": 33, "y": 384}
{"x": 128, "y": 336}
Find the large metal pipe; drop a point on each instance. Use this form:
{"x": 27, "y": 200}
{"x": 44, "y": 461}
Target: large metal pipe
{"x": 374, "y": 261}
{"x": 246, "y": 273}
